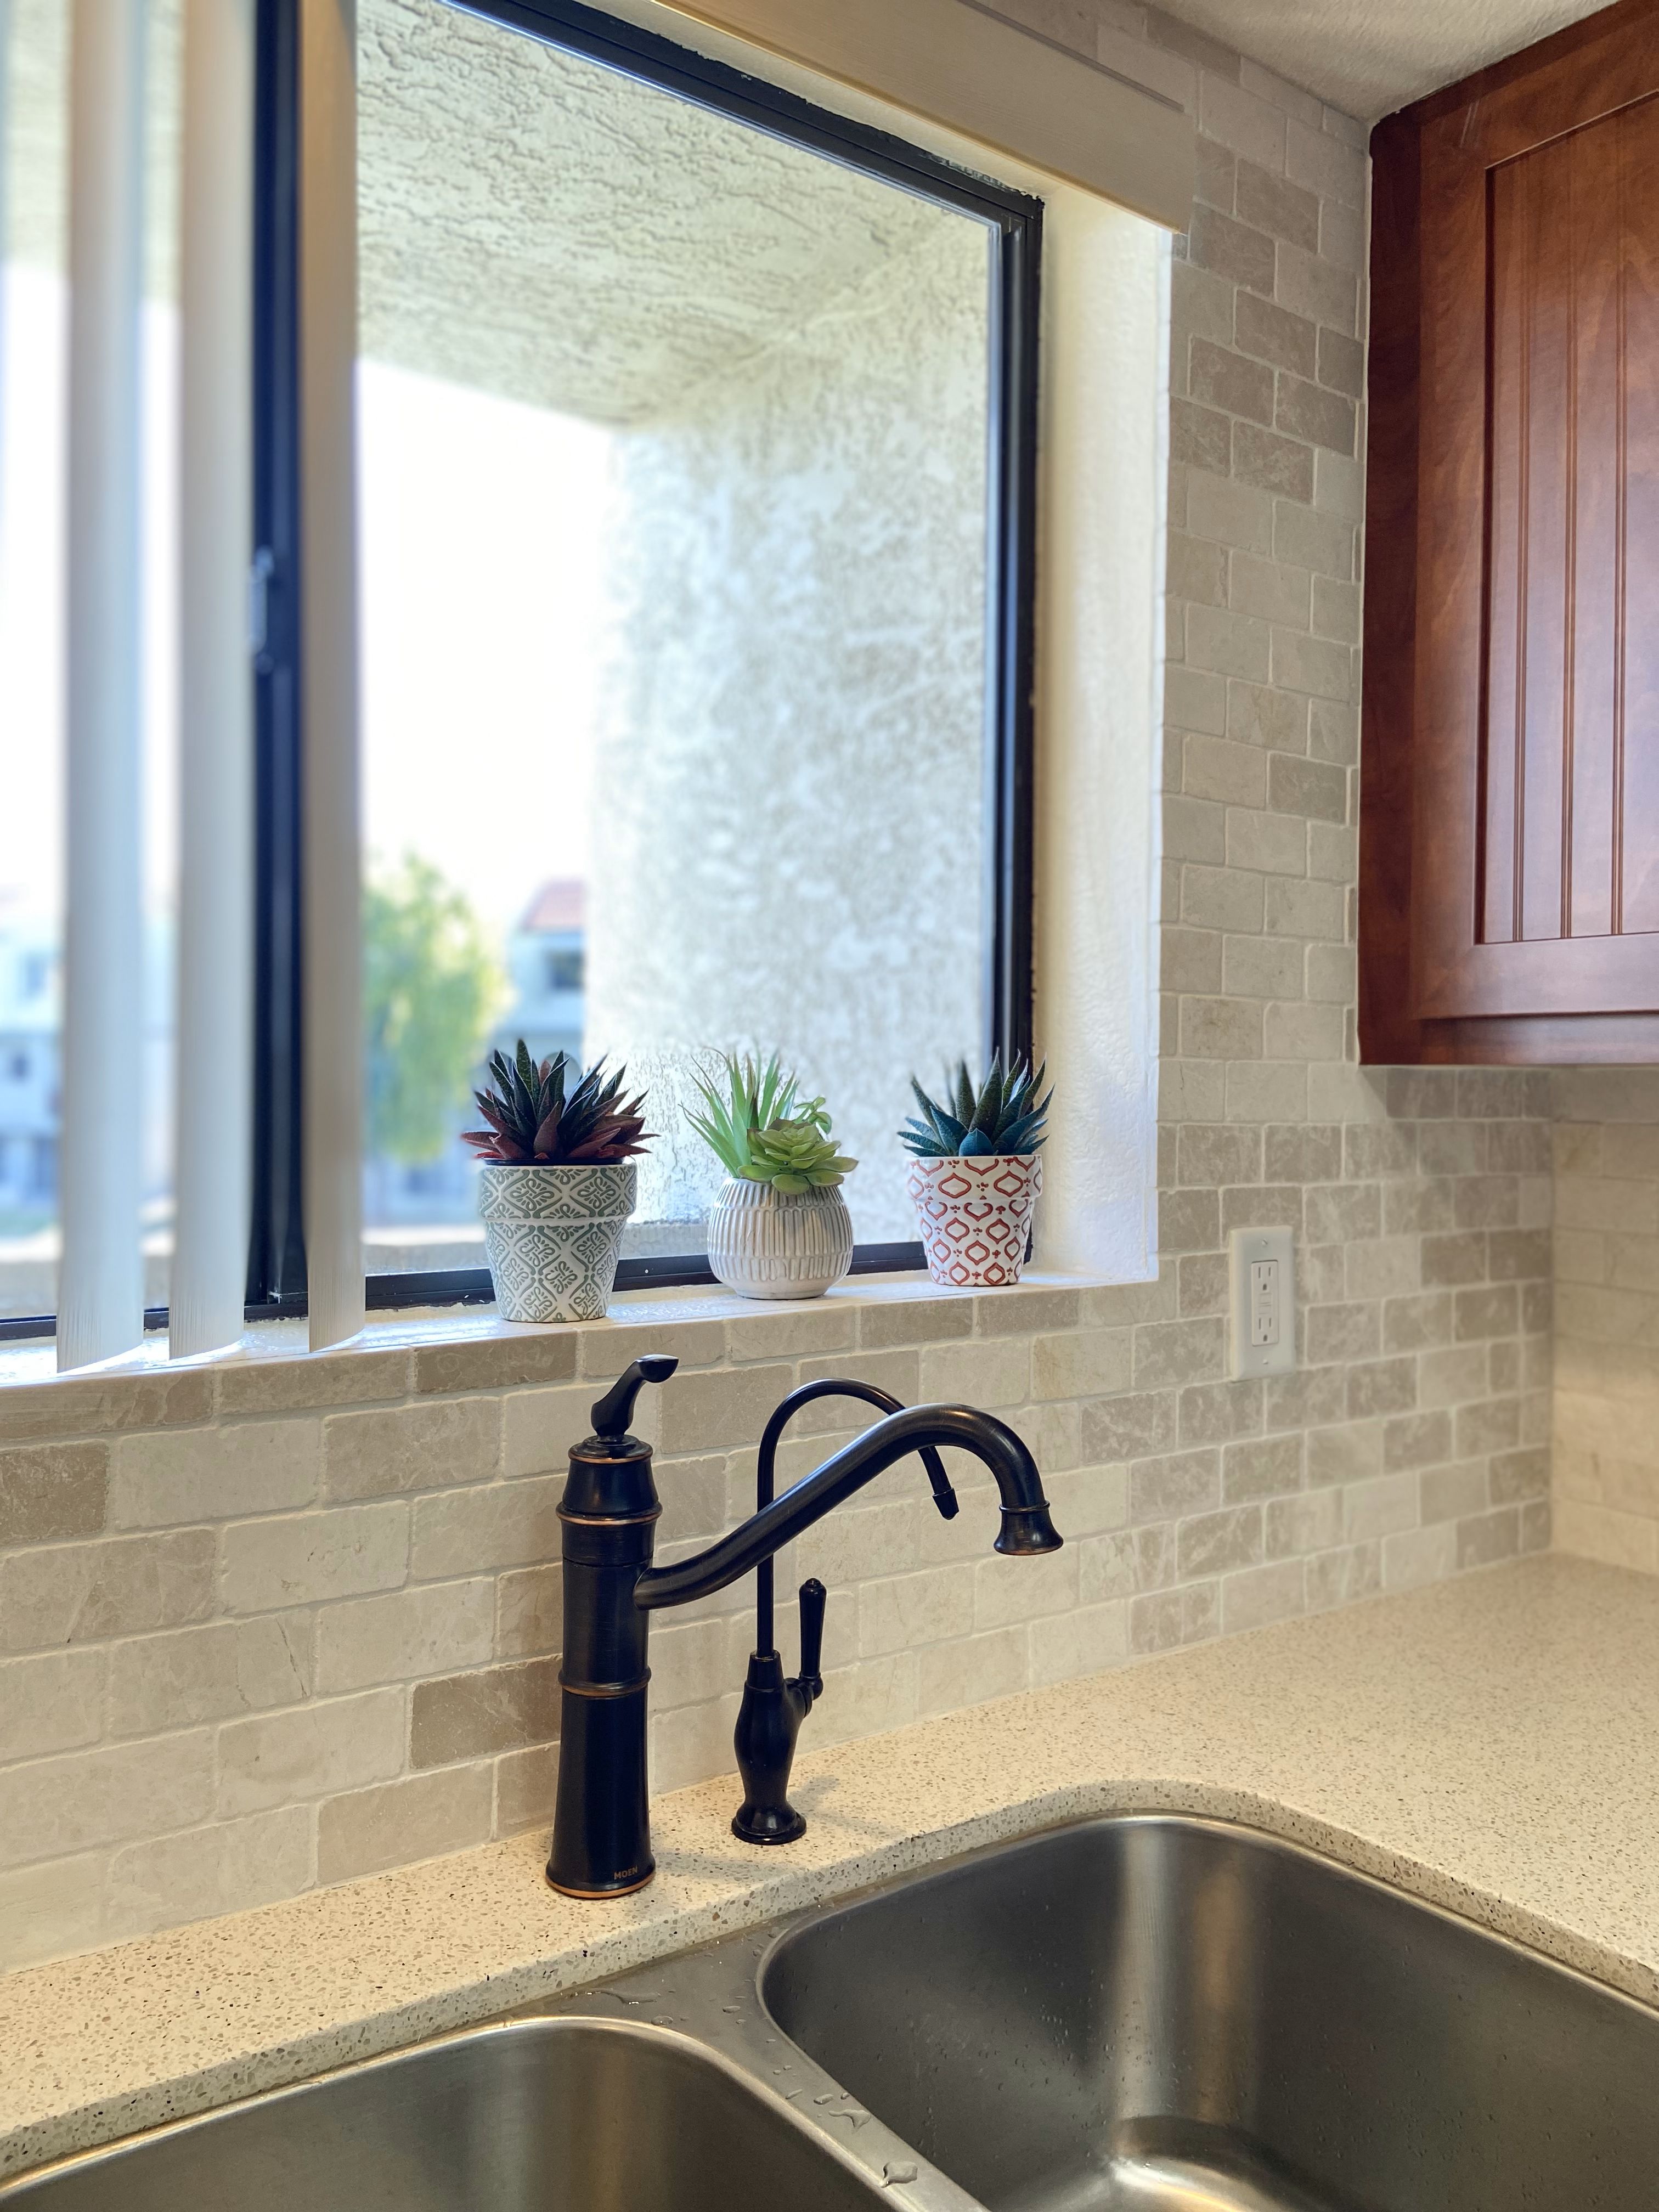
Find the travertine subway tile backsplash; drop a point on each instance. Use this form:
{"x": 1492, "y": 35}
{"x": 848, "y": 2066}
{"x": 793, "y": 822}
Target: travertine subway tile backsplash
{"x": 1607, "y": 1389}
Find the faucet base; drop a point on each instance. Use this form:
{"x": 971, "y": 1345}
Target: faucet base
{"x": 767, "y": 1824}
{"x": 598, "y": 1896}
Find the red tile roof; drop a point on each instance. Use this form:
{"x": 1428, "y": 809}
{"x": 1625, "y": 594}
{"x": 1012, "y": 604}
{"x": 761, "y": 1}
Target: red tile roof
{"x": 560, "y": 904}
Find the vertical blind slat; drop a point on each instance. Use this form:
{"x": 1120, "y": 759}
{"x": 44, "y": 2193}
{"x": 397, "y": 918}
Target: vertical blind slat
{"x": 5, "y": 231}
{"x": 215, "y": 950}
{"x": 101, "y": 1297}
{"x": 328, "y": 492}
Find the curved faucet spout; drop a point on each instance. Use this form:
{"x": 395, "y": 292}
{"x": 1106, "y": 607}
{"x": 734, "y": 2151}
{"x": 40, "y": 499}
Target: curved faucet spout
{"x": 841, "y": 1386}
{"x": 782, "y": 1414}
{"x": 1026, "y": 1528}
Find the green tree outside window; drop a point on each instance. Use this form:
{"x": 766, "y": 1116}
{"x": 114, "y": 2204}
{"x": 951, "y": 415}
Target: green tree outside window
{"x": 431, "y": 986}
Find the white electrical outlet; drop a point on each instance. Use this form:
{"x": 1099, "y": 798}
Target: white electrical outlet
{"x": 1263, "y": 1302}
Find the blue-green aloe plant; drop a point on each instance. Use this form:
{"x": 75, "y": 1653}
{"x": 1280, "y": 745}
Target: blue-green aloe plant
{"x": 1004, "y": 1114}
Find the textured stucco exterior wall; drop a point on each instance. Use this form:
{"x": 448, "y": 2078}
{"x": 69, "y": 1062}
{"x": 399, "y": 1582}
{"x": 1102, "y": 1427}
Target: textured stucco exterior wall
{"x": 539, "y": 226}
{"x": 791, "y": 359}
{"x": 789, "y": 783}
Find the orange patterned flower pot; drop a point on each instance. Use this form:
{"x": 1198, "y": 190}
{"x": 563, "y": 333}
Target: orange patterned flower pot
{"x": 975, "y": 1216}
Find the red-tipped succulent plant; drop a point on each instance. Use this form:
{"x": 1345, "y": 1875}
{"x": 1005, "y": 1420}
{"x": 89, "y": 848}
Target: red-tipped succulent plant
{"x": 536, "y": 1119}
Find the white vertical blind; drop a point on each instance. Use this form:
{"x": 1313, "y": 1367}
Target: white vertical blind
{"x": 101, "y": 1297}
{"x": 5, "y": 114}
{"x": 5, "y": 110}
{"x": 214, "y": 1118}
{"x": 328, "y": 524}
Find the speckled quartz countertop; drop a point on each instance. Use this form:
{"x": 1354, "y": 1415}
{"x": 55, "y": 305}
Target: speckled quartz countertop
{"x": 1490, "y": 1744}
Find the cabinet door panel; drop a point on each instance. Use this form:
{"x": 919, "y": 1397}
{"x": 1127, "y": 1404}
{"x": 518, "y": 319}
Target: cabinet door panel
{"x": 1638, "y": 851}
{"x": 1536, "y": 814}
{"x": 1595, "y": 555}
{"x": 1512, "y": 222}
{"x": 1570, "y": 393}
{"x": 1530, "y": 475}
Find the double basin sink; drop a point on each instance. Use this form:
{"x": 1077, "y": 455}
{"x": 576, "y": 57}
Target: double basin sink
{"x": 1149, "y": 2014}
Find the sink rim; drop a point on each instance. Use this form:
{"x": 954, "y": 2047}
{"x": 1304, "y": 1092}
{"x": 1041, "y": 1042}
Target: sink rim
{"x": 542, "y": 2021}
{"x": 798, "y": 1924}
{"x": 1236, "y": 1835}
{"x": 737, "y": 2033}
{"x": 108, "y": 2088}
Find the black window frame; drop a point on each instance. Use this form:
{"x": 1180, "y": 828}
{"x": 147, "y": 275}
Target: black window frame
{"x": 276, "y": 1264}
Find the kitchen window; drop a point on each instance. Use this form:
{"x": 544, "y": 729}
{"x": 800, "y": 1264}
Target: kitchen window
{"x": 661, "y": 661}
{"x": 695, "y": 431}
{"x": 696, "y": 473}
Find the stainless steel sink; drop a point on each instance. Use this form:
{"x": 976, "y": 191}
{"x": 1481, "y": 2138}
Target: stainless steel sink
{"x": 1145, "y": 2014}
{"x": 560, "y": 2115}
{"x": 1160, "y": 2014}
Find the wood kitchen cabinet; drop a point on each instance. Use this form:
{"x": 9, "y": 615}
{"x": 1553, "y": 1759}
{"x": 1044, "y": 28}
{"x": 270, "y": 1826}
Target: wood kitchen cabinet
{"x": 1509, "y": 905}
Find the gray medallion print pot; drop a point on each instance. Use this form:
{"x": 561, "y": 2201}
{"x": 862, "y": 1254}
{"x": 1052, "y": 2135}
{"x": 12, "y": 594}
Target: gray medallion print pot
{"x": 553, "y": 1235}
{"x": 769, "y": 1244}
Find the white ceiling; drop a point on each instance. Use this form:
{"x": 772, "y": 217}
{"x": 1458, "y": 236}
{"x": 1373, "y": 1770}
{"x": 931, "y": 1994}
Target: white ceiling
{"x": 1370, "y": 56}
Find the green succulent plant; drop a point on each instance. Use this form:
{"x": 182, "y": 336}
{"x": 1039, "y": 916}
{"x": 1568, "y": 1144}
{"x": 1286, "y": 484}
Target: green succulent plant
{"x": 1002, "y": 1115}
{"x": 555, "y": 1116}
{"x": 759, "y": 1127}
{"x": 795, "y": 1156}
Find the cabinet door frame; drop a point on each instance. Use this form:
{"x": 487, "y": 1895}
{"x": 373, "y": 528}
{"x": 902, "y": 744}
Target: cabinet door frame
{"x": 1429, "y": 988}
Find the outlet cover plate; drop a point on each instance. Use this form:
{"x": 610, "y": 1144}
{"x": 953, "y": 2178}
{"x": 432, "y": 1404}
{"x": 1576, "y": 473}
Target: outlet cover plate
{"x": 1262, "y": 1274}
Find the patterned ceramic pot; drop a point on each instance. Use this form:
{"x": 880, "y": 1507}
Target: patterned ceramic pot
{"x": 768, "y": 1245}
{"x": 975, "y": 1216}
{"x": 554, "y": 1236}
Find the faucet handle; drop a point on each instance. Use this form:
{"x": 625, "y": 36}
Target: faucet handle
{"x": 611, "y": 1414}
{"x": 813, "y": 1599}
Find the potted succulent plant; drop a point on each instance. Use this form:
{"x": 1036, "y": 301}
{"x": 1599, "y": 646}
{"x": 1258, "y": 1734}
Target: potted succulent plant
{"x": 975, "y": 1173}
{"x": 558, "y": 1182}
{"x": 779, "y": 1228}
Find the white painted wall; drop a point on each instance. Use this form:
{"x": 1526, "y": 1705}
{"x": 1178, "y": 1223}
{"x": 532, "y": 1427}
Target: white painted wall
{"x": 1100, "y": 689}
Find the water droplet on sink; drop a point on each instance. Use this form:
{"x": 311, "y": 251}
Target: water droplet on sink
{"x": 904, "y": 2171}
{"x": 828, "y": 2096}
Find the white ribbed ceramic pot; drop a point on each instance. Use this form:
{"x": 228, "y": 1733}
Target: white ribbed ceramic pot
{"x": 769, "y": 1244}
{"x": 975, "y": 1216}
{"x": 554, "y": 1236}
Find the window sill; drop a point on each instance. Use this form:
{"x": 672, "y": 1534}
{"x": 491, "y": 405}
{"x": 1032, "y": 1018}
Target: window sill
{"x": 454, "y": 1349}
